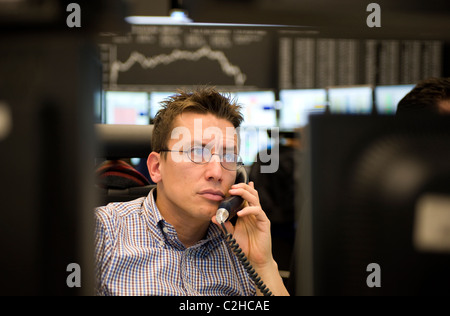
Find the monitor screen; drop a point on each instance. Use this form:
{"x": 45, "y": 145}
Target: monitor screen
{"x": 126, "y": 107}
{"x": 350, "y": 100}
{"x": 258, "y": 108}
{"x": 297, "y": 105}
{"x": 375, "y": 216}
{"x": 388, "y": 97}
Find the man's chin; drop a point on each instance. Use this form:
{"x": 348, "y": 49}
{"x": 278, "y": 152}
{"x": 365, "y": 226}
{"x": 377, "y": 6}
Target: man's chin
{"x": 209, "y": 212}
{"x": 206, "y": 208}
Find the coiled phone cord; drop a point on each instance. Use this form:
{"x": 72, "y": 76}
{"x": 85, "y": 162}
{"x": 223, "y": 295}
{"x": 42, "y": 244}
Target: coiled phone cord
{"x": 243, "y": 259}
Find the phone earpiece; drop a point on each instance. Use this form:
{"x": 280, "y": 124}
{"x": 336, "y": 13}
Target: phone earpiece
{"x": 241, "y": 176}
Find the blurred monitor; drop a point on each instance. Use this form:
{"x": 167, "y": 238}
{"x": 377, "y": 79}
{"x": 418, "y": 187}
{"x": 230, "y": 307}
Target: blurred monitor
{"x": 253, "y": 140}
{"x": 375, "y": 216}
{"x": 155, "y": 101}
{"x": 127, "y": 107}
{"x": 297, "y": 105}
{"x": 388, "y": 97}
{"x": 258, "y": 108}
{"x": 47, "y": 146}
{"x": 350, "y": 100}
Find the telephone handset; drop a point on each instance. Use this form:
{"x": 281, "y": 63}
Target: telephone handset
{"x": 228, "y": 208}
{"x": 231, "y": 205}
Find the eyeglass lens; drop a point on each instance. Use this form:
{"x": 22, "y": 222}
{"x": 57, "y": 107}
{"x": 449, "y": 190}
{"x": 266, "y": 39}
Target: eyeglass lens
{"x": 202, "y": 155}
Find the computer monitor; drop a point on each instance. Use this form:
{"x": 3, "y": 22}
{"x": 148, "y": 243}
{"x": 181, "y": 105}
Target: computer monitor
{"x": 46, "y": 164}
{"x": 258, "y": 108}
{"x": 388, "y": 97}
{"x": 297, "y": 105}
{"x": 350, "y": 100}
{"x": 127, "y": 107}
{"x": 375, "y": 216}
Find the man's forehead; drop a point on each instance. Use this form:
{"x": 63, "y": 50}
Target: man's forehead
{"x": 205, "y": 128}
{"x": 215, "y": 137}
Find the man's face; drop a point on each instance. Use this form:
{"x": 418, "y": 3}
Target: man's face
{"x": 196, "y": 190}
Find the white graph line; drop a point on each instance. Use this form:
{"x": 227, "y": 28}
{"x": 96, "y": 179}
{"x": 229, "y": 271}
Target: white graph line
{"x": 165, "y": 59}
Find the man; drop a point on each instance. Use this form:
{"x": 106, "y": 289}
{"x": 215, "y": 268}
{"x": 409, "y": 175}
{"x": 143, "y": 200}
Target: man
{"x": 169, "y": 243}
{"x": 430, "y": 96}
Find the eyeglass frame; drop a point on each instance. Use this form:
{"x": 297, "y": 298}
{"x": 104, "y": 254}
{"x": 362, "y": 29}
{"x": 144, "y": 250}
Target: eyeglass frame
{"x": 239, "y": 162}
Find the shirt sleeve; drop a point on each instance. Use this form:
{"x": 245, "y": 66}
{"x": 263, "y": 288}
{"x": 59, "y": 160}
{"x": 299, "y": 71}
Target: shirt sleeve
{"x": 103, "y": 247}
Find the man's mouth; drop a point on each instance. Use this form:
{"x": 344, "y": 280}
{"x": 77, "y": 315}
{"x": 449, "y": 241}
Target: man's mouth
{"x": 212, "y": 195}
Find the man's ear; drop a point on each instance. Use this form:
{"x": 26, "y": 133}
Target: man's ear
{"x": 154, "y": 165}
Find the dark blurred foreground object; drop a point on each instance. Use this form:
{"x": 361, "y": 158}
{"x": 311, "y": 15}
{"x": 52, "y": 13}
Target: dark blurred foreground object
{"x": 378, "y": 192}
{"x": 51, "y": 15}
{"x": 50, "y": 83}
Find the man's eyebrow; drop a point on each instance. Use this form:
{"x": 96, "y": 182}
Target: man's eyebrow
{"x": 205, "y": 143}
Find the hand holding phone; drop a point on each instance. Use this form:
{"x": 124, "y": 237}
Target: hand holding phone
{"x": 228, "y": 208}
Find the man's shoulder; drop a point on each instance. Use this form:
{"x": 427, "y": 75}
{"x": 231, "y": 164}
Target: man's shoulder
{"x": 120, "y": 209}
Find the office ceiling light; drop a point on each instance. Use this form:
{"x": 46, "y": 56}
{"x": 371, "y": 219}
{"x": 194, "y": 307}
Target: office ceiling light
{"x": 177, "y": 16}
{"x": 180, "y": 15}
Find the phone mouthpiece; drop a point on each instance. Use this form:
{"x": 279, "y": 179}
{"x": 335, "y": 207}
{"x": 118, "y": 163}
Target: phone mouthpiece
{"x": 222, "y": 215}
{"x": 228, "y": 208}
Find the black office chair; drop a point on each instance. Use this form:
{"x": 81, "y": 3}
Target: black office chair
{"x": 117, "y": 180}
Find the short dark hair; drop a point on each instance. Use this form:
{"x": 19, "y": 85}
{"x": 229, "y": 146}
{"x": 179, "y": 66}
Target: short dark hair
{"x": 425, "y": 97}
{"x": 203, "y": 100}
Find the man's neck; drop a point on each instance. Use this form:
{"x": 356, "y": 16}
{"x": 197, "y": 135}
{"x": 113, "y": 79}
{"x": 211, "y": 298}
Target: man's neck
{"x": 189, "y": 230}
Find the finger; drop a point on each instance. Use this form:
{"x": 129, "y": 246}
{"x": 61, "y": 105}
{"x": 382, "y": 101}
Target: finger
{"x": 257, "y": 211}
{"x": 246, "y": 192}
{"x": 246, "y": 195}
{"x": 249, "y": 187}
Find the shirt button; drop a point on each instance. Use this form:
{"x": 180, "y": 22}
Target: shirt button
{"x": 165, "y": 229}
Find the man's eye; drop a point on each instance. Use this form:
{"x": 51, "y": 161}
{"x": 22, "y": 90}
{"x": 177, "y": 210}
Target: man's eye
{"x": 197, "y": 154}
{"x": 198, "y": 151}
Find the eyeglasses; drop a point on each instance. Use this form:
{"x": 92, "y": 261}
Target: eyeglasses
{"x": 202, "y": 155}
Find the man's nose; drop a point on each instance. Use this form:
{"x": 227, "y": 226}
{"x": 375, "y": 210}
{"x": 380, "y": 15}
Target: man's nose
{"x": 214, "y": 168}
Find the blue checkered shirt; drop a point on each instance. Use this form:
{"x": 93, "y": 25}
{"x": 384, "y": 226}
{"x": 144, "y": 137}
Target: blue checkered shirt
{"x": 139, "y": 253}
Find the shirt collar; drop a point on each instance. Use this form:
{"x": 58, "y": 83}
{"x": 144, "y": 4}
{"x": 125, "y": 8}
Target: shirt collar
{"x": 151, "y": 210}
